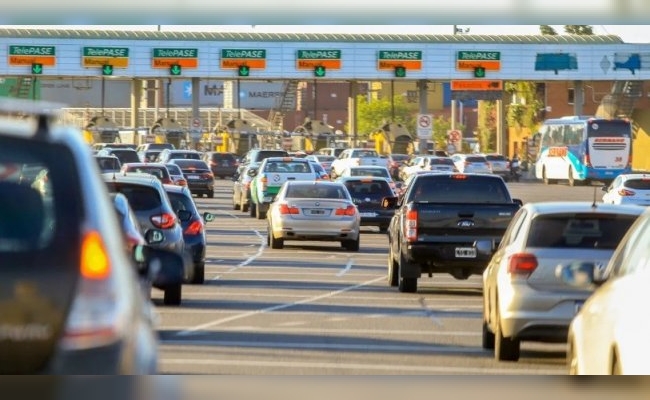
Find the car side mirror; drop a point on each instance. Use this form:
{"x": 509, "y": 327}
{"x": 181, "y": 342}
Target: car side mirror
{"x": 154, "y": 236}
{"x": 252, "y": 172}
{"x": 604, "y": 188}
{"x": 581, "y": 273}
{"x": 184, "y": 215}
{"x": 389, "y": 203}
{"x": 518, "y": 202}
{"x": 208, "y": 217}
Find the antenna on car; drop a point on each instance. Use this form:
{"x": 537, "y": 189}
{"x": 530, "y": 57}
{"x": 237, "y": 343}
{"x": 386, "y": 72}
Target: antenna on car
{"x": 594, "y": 205}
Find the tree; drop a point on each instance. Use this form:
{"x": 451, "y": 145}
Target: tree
{"x": 487, "y": 125}
{"x": 547, "y": 30}
{"x": 372, "y": 115}
{"x": 579, "y": 29}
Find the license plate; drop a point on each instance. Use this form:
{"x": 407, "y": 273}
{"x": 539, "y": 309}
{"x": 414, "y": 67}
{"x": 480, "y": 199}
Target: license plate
{"x": 225, "y": 163}
{"x": 192, "y": 177}
{"x": 578, "y": 306}
{"x": 317, "y": 212}
{"x": 368, "y": 214}
{"x": 465, "y": 252}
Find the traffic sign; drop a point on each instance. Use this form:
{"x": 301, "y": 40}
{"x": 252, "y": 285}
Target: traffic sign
{"x": 235, "y": 58}
{"x": 167, "y": 58}
{"x": 28, "y": 55}
{"x": 175, "y": 69}
{"x": 425, "y": 126}
{"x": 196, "y": 123}
{"x": 37, "y": 69}
{"x": 319, "y": 71}
{"x": 98, "y": 57}
{"x": 479, "y": 72}
{"x": 454, "y": 135}
{"x": 310, "y": 59}
{"x": 389, "y": 59}
{"x": 400, "y": 72}
{"x": 482, "y": 84}
{"x": 469, "y": 60}
{"x": 244, "y": 70}
{"x": 107, "y": 69}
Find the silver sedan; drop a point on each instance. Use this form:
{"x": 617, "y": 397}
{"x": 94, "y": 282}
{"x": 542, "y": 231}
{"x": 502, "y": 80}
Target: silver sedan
{"x": 319, "y": 210}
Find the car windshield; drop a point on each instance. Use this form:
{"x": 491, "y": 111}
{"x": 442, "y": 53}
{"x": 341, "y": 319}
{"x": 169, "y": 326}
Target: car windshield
{"x": 369, "y": 172}
{"x": 441, "y": 161}
{"x": 495, "y": 157}
{"x": 475, "y": 159}
{"x": 108, "y": 164}
{"x": 185, "y": 155}
{"x": 586, "y": 231}
{"x": 141, "y": 198}
{"x": 155, "y": 171}
{"x": 312, "y": 191}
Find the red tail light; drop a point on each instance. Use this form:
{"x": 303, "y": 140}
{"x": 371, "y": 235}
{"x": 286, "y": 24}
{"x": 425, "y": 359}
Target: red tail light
{"x": 264, "y": 182}
{"x": 350, "y": 211}
{"x": 163, "y": 221}
{"x": 587, "y": 161}
{"x": 411, "y": 226}
{"x": 207, "y": 175}
{"x": 460, "y": 177}
{"x": 167, "y": 181}
{"x": 522, "y": 264}
{"x": 626, "y": 192}
{"x": 285, "y": 209}
{"x": 195, "y": 228}
{"x": 181, "y": 182}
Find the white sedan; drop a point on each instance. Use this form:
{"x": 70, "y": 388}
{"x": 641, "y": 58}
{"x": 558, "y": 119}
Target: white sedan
{"x": 628, "y": 189}
{"x": 610, "y": 334}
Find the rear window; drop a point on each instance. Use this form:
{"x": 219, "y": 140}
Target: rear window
{"x": 262, "y": 155}
{"x": 187, "y": 164}
{"x": 475, "y": 159}
{"x": 459, "y": 189}
{"x": 369, "y": 172}
{"x": 126, "y": 156}
{"x": 158, "y": 172}
{"x": 190, "y": 155}
{"x": 40, "y": 207}
{"x": 441, "y": 161}
{"x": 151, "y": 155}
{"x": 372, "y": 189}
{"x": 222, "y": 157}
{"x": 288, "y": 166}
{"x": 400, "y": 157}
{"x": 495, "y": 158}
{"x": 181, "y": 202}
{"x": 108, "y": 164}
{"x": 584, "y": 231}
{"x": 159, "y": 146}
{"x": 325, "y": 158}
{"x": 312, "y": 191}
{"x": 639, "y": 184}
{"x": 173, "y": 169}
{"x": 141, "y": 198}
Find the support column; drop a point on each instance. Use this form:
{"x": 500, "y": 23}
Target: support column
{"x": 578, "y": 97}
{"x": 352, "y": 111}
{"x": 500, "y": 128}
{"x": 424, "y": 107}
{"x": 196, "y": 114}
{"x": 136, "y": 98}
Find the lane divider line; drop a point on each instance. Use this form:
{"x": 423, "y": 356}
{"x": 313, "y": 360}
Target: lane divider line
{"x": 250, "y": 259}
{"x": 347, "y": 267}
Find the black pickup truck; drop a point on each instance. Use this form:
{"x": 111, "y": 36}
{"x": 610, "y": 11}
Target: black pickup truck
{"x": 446, "y": 223}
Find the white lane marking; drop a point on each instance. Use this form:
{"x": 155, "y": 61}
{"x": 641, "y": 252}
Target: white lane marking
{"x": 347, "y": 267}
{"x": 250, "y": 259}
{"x": 391, "y": 368}
{"x": 374, "y": 332}
{"x": 277, "y": 307}
{"x": 430, "y": 313}
{"x": 337, "y": 319}
{"x": 289, "y": 324}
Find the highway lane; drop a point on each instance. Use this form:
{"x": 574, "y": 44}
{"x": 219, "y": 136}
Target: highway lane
{"x": 314, "y": 308}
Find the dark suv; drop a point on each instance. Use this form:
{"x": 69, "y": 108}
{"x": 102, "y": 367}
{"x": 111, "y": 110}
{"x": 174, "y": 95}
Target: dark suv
{"x": 367, "y": 194}
{"x": 223, "y": 165}
{"x": 70, "y": 300}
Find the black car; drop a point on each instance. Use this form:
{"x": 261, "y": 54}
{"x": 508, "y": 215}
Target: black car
{"x": 222, "y": 165}
{"x": 198, "y": 176}
{"x": 70, "y": 299}
{"x": 193, "y": 228}
{"x": 125, "y": 155}
{"x": 367, "y": 194}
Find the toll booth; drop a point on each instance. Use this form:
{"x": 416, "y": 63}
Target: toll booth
{"x": 168, "y": 130}
{"x": 101, "y": 129}
{"x": 392, "y": 138}
{"x": 236, "y": 136}
{"x": 312, "y": 136}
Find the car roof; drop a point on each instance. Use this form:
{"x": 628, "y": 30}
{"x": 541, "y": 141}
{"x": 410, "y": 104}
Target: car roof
{"x": 319, "y": 183}
{"x": 626, "y": 177}
{"x": 556, "y": 207}
{"x": 176, "y": 189}
{"x": 131, "y": 177}
{"x": 285, "y": 159}
{"x": 361, "y": 178}
{"x": 142, "y": 164}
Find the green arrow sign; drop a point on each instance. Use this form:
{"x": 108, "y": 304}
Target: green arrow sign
{"x": 400, "y": 72}
{"x": 319, "y": 71}
{"x": 175, "y": 70}
{"x": 244, "y": 70}
{"x": 479, "y": 72}
{"x": 37, "y": 69}
{"x": 107, "y": 70}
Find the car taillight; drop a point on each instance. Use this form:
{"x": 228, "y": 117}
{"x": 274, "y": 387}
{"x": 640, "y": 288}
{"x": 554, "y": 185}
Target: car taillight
{"x": 350, "y": 211}
{"x": 97, "y": 313}
{"x": 181, "y": 182}
{"x": 285, "y": 210}
{"x": 163, "y": 221}
{"x": 264, "y": 181}
{"x": 411, "y": 225}
{"x": 167, "y": 181}
{"x": 626, "y": 192}
{"x": 522, "y": 264}
{"x": 207, "y": 175}
{"x": 195, "y": 228}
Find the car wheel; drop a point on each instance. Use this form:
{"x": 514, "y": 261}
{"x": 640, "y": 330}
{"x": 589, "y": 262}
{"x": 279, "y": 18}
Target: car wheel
{"x": 173, "y": 295}
{"x": 259, "y": 214}
{"x": 198, "y": 278}
{"x": 383, "y": 228}
{"x": 572, "y": 180}
{"x": 352, "y": 245}
{"x": 406, "y": 285}
{"x": 243, "y": 204}
{"x": 544, "y": 177}
{"x": 487, "y": 340}
{"x": 616, "y": 365}
{"x": 393, "y": 268}
{"x": 252, "y": 209}
{"x": 505, "y": 349}
{"x": 210, "y": 194}
{"x": 235, "y": 205}
{"x": 273, "y": 242}
{"x": 572, "y": 359}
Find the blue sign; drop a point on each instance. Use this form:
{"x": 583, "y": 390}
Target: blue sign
{"x": 555, "y": 62}
{"x": 631, "y": 61}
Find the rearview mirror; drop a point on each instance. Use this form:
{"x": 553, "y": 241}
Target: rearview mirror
{"x": 208, "y": 217}
{"x": 518, "y": 202}
{"x": 604, "y": 188}
{"x": 252, "y": 172}
{"x": 389, "y": 202}
{"x": 154, "y": 236}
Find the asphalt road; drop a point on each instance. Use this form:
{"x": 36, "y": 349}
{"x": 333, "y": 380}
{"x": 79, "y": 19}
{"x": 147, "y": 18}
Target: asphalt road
{"x": 314, "y": 308}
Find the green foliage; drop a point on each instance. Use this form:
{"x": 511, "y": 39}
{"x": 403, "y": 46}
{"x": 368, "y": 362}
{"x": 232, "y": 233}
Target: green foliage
{"x": 441, "y": 125}
{"x": 487, "y": 125}
{"x": 547, "y": 30}
{"x": 523, "y": 112}
{"x": 372, "y": 115}
{"x": 579, "y": 29}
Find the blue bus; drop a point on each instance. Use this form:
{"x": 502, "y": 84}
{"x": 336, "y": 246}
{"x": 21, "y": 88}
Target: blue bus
{"x": 581, "y": 149}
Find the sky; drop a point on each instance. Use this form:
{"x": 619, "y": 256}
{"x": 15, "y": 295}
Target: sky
{"x": 628, "y": 33}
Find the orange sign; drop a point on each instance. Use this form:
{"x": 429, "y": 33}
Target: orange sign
{"x": 477, "y": 84}
{"x": 168, "y": 62}
{"x": 235, "y": 63}
{"x": 29, "y": 60}
{"x": 391, "y": 64}
{"x": 469, "y": 65}
{"x": 311, "y": 64}
{"x": 557, "y": 151}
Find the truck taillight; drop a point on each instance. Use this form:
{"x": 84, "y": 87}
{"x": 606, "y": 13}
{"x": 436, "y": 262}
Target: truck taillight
{"x": 522, "y": 264}
{"x": 411, "y": 225}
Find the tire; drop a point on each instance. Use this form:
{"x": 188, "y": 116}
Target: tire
{"x": 393, "y": 269}
{"x": 572, "y": 359}
{"x": 272, "y": 241}
{"x": 383, "y": 228}
{"x": 173, "y": 295}
{"x": 236, "y": 205}
{"x": 616, "y": 365}
{"x": 352, "y": 245}
{"x": 406, "y": 285}
{"x": 572, "y": 179}
{"x": 259, "y": 214}
{"x": 210, "y": 194}
{"x": 198, "y": 278}
{"x": 243, "y": 205}
{"x": 252, "y": 209}
{"x": 544, "y": 177}
{"x": 487, "y": 339}
{"x": 505, "y": 349}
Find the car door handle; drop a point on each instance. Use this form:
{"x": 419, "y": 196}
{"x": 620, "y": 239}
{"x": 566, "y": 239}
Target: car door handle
{"x": 291, "y": 179}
